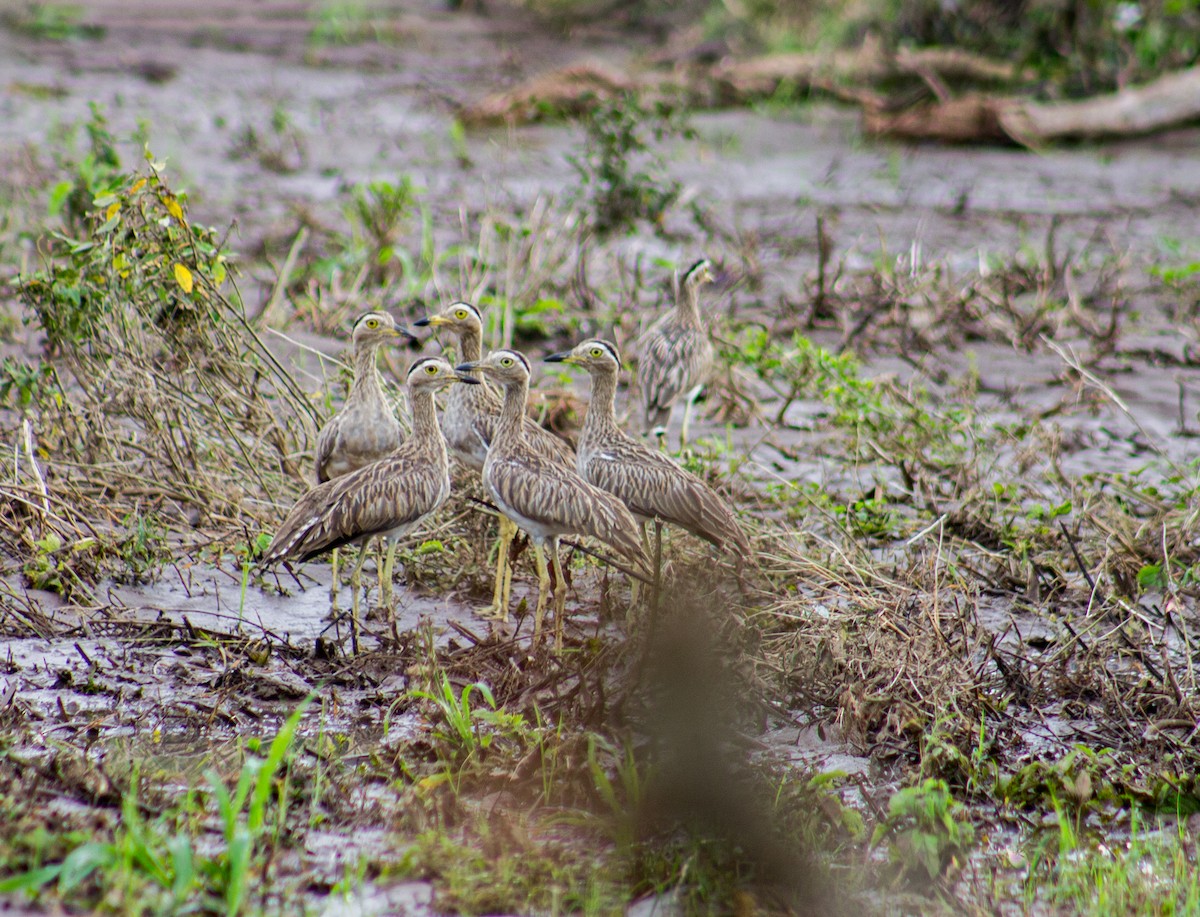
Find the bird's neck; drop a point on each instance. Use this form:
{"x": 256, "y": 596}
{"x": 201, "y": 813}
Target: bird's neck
{"x": 367, "y": 385}
{"x": 512, "y": 412}
{"x": 470, "y": 345}
{"x": 425, "y": 429}
{"x": 601, "y": 420}
{"x": 687, "y": 306}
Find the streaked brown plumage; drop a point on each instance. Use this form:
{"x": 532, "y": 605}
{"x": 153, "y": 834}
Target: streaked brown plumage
{"x": 471, "y": 412}
{"x": 364, "y": 430}
{"x": 650, "y": 483}
{"x": 386, "y": 498}
{"x": 469, "y": 423}
{"x": 546, "y": 498}
{"x": 676, "y": 355}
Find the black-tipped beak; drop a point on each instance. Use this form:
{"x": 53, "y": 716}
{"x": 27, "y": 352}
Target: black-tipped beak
{"x": 422, "y": 322}
{"x": 466, "y": 367}
{"x": 470, "y": 380}
{"x": 408, "y": 336}
{"x": 560, "y": 357}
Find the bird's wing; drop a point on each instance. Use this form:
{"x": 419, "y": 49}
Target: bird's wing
{"x": 652, "y": 485}
{"x": 326, "y": 443}
{"x": 554, "y": 495}
{"x": 378, "y": 498}
{"x": 669, "y": 360}
{"x": 548, "y": 443}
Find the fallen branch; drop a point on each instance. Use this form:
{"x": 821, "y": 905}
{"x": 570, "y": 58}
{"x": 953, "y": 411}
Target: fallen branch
{"x": 1169, "y": 101}
{"x": 869, "y": 63}
{"x": 570, "y": 90}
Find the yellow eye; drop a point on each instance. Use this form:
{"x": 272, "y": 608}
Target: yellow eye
{"x": 597, "y": 352}
{"x": 431, "y": 368}
{"x": 460, "y": 314}
{"x": 372, "y": 323}
{"x": 506, "y": 361}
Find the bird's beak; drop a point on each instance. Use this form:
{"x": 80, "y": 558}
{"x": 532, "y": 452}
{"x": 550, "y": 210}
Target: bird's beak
{"x": 430, "y": 321}
{"x": 561, "y": 357}
{"x": 470, "y": 380}
{"x": 466, "y": 367}
{"x": 408, "y": 336}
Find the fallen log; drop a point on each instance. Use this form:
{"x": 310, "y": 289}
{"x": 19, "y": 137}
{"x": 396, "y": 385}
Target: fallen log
{"x": 967, "y": 119}
{"x": 1169, "y": 101}
{"x": 869, "y": 63}
{"x": 568, "y": 91}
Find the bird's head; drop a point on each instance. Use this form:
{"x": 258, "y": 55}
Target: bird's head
{"x": 506, "y": 367}
{"x": 699, "y": 274}
{"x": 434, "y": 373}
{"x": 377, "y": 328}
{"x": 459, "y": 317}
{"x": 593, "y": 355}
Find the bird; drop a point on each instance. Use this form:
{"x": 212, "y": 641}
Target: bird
{"x": 387, "y": 498}
{"x": 545, "y": 498}
{"x": 365, "y": 429}
{"x": 469, "y": 422}
{"x": 649, "y": 482}
{"x": 676, "y": 355}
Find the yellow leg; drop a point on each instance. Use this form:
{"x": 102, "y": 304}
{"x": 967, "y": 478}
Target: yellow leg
{"x": 543, "y": 588}
{"x": 498, "y": 610}
{"x": 560, "y": 595}
{"x": 385, "y": 580}
{"x": 687, "y": 415}
{"x": 355, "y": 615}
{"x": 334, "y": 583}
{"x": 506, "y": 592}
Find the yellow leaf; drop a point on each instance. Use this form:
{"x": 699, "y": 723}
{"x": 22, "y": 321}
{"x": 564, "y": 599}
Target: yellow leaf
{"x": 138, "y": 186}
{"x": 113, "y": 209}
{"x": 183, "y": 277}
{"x": 173, "y": 208}
{"x": 432, "y": 781}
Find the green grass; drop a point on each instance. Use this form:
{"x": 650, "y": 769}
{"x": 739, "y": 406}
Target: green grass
{"x": 163, "y": 863}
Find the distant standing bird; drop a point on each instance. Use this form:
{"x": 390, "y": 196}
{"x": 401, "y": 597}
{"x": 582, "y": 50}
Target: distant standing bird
{"x": 676, "y": 355}
{"x": 365, "y": 429}
{"x": 649, "y": 482}
{"x": 387, "y": 498}
{"x": 546, "y": 498}
{"x": 469, "y": 423}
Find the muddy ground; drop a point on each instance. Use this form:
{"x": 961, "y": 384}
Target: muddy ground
{"x": 172, "y": 670}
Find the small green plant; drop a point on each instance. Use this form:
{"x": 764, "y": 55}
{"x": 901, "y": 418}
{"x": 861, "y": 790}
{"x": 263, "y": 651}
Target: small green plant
{"x": 344, "y": 22}
{"x": 27, "y": 384}
{"x": 623, "y": 178}
{"x": 467, "y": 731}
{"x": 280, "y": 148}
{"x": 98, "y": 172}
{"x": 52, "y": 22}
{"x": 144, "y": 549}
{"x": 926, "y": 830}
{"x": 139, "y": 253}
{"x": 623, "y": 797}
{"x": 379, "y": 212}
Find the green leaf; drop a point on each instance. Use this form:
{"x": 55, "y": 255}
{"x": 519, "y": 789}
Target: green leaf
{"x": 58, "y": 197}
{"x": 82, "y": 862}
{"x": 1152, "y": 576}
{"x": 31, "y": 880}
